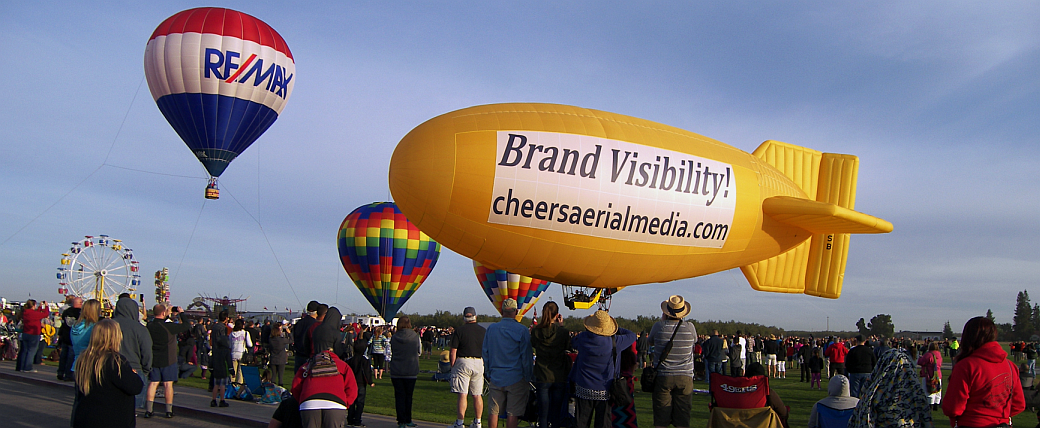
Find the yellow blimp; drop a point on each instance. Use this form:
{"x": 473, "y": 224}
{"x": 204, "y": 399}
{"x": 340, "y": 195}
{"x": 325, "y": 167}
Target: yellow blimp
{"x": 590, "y": 198}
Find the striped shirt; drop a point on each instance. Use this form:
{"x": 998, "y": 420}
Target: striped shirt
{"x": 679, "y": 361}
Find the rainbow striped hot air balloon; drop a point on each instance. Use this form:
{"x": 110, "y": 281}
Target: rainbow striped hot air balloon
{"x": 386, "y": 256}
{"x": 500, "y": 285}
{"x": 221, "y": 78}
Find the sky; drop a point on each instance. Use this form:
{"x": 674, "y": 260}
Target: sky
{"x": 940, "y": 101}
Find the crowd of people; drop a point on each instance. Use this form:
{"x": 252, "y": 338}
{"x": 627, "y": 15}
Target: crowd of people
{"x": 119, "y": 364}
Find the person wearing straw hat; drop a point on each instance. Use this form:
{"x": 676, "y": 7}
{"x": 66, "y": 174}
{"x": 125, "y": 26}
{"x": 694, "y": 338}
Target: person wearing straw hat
{"x": 509, "y": 364}
{"x": 673, "y": 389}
{"x": 596, "y": 367}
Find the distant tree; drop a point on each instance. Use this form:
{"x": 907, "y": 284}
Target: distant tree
{"x": 862, "y": 326}
{"x": 948, "y": 331}
{"x": 1005, "y": 331}
{"x": 1023, "y": 320}
{"x": 1035, "y": 321}
{"x": 881, "y": 325}
{"x": 989, "y": 314}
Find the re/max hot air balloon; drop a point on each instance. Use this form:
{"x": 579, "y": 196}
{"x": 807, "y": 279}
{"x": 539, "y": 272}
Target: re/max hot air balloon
{"x": 500, "y": 285}
{"x": 386, "y": 256}
{"x": 221, "y": 78}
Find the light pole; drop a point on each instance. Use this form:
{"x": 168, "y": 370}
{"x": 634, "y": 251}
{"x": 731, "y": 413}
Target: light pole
{"x": 828, "y": 324}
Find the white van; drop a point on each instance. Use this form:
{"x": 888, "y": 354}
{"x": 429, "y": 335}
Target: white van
{"x": 365, "y": 320}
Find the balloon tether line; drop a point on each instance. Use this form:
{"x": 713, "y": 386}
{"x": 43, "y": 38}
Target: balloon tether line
{"x": 268, "y": 240}
{"x": 186, "y": 246}
{"x": 103, "y": 163}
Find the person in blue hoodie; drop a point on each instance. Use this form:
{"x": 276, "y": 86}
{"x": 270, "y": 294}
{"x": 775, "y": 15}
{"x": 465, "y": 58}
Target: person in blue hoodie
{"x": 80, "y": 333}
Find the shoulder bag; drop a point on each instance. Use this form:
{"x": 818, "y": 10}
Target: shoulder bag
{"x": 649, "y": 377}
{"x": 618, "y": 393}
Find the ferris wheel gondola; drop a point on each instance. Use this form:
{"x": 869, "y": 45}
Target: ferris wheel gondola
{"x": 98, "y": 268}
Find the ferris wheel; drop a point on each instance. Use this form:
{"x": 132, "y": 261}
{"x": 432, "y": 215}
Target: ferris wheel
{"x": 98, "y": 268}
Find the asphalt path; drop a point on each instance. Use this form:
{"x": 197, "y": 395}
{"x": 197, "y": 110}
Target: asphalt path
{"x": 25, "y": 405}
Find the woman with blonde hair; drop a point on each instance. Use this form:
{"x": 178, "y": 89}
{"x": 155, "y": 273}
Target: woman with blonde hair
{"x": 105, "y": 382}
{"x": 81, "y": 331}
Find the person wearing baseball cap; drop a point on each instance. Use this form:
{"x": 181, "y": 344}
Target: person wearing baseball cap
{"x": 467, "y": 367}
{"x": 509, "y": 360}
{"x": 595, "y": 368}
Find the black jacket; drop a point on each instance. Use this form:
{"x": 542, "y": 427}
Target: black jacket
{"x": 712, "y": 349}
{"x": 299, "y": 332}
{"x": 860, "y": 359}
{"x": 110, "y": 403}
{"x": 164, "y": 341}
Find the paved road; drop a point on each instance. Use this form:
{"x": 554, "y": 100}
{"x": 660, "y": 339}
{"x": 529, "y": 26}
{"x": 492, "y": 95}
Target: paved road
{"x": 37, "y": 406}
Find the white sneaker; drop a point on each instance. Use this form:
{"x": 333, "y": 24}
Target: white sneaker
{"x": 475, "y": 424}
{"x": 458, "y": 425}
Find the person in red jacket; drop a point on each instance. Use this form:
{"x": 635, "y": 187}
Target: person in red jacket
{"x": 325, "y": 385}
{"x": 984, "y": 388}
{"x": 836, "y": 353}
{"x": 30, "y": 337}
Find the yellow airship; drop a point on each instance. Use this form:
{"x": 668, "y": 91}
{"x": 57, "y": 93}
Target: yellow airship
{"x": 602, "y": 200}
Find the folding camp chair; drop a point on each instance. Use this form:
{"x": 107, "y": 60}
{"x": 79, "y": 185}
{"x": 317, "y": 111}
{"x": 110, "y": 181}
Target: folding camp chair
{"x": 829, "y": 417}
{"x": 741, "y": 402}
{"x": 251, "y": 376}
{"x": 731, "y": 392}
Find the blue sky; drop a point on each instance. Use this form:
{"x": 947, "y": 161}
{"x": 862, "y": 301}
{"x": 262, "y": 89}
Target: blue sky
{"x": 940, "y": 100}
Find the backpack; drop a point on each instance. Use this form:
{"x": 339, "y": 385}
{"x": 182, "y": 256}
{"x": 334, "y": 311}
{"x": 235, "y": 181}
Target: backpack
{"x": 321, "y": 365}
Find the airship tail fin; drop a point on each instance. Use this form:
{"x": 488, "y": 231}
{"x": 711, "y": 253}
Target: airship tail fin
{"x": 817, "y": 266}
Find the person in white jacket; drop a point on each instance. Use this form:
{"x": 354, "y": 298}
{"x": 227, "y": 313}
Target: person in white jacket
{"x": 240, "y": 342}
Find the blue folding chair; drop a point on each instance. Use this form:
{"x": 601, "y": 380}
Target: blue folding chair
{"x": 251, "y": 376}
{"x": 828, "y": 417}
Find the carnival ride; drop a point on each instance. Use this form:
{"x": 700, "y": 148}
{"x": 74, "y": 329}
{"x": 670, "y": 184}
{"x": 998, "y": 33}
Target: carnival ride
{"x": 99, "y": 268}
{"x": 162, "y": 286}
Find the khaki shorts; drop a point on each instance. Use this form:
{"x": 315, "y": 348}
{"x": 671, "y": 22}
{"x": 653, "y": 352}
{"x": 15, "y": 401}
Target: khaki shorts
{"x": 467, "y": 376}
{"x": 513, "y": 398}
{"x": 770, "y": 359}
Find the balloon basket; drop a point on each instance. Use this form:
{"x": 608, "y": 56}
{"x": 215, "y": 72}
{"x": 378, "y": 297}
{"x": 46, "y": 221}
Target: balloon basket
{"x": 212, "y": 192}
{"x": 576, "y": 298}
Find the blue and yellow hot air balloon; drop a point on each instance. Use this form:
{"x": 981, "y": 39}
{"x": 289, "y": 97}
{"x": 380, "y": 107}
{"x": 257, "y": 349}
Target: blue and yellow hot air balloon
{"x": 221, "y": 78}
{"x": 386, "y": 256}
{"x": 500, "y": 285}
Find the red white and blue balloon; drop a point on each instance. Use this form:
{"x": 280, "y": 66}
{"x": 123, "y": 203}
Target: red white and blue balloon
{"x": 221, "y": 78}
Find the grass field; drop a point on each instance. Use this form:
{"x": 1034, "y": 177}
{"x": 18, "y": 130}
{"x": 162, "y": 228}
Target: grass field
{"x": 434, "y": 402}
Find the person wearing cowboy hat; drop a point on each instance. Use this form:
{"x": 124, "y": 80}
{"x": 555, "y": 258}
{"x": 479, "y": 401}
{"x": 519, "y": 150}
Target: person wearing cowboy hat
{"x": 673, "y": 389}
{"x": 509, "y": 364}
{"x": 594, "y": 368}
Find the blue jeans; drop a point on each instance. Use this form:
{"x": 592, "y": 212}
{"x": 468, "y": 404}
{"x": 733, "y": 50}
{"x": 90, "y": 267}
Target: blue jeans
{"x": 29, "y": 343}
{"x": 552, "y": 402}
{"x": 709, "y": 368}
{"x": 139, "y": 398}
{"x": 1032, "y": 367}
{"x": 856, "y": 381}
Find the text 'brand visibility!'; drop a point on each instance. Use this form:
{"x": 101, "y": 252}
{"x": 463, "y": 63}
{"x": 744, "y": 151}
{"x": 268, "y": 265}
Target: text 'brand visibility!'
{"x": 611, "y": 189}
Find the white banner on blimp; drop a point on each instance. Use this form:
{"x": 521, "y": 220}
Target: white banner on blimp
{"x": 611, "y": 189}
